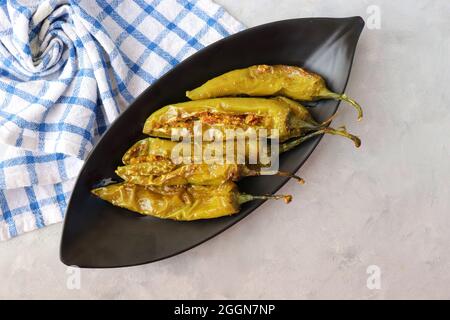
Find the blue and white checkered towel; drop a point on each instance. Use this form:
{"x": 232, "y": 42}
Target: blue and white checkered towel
{"x": 67, "y": 70}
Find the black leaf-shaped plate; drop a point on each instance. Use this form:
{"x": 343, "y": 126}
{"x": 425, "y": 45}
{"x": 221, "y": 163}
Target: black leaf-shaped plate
{"x": 99, "y": 235}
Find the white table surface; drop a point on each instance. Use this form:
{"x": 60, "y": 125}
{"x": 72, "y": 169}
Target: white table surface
{"x": 386, "y": 204}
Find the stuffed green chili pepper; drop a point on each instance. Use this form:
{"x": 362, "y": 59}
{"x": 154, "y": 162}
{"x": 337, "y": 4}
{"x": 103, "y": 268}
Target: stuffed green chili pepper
{"x": 289, "y": 118}
{"x": 184, "y": 203}
{"x": 265, "y": 80}
{"x": 154, "y": 149}
{"x": 147, "y": 162}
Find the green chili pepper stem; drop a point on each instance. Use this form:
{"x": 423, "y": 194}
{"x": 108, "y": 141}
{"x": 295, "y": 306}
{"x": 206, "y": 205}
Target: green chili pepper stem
{"x": 343, "y": 97}
{"x": 300, "y": 123}
{"x": 340, "y": 131}
{"x": 246, "y": 172}
{"x": 294, "y": 143}
{"x": 343, "y": 132}
{"x": 312, "y": 125}
{"x": 290, "y": 175}
{"x": 244, "y": 197}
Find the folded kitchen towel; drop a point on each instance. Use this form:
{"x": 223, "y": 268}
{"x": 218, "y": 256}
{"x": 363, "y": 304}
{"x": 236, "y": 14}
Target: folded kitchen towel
{"x": 67, "y": 70}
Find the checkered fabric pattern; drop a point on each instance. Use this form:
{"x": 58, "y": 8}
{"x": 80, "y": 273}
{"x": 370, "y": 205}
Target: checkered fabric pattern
{"x": 67, "y": 70}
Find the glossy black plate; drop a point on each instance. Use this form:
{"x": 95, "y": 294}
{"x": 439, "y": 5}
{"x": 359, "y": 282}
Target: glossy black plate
{"x": 97, "y": 234}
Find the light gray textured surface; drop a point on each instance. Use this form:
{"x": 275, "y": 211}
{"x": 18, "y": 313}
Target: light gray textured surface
{"x": 387, "y": 204}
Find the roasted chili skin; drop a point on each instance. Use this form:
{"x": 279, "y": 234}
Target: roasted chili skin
{"x": 177, "y": 203}
{"x": 183, "y": 203}
{"x": 196, "y": 174}
{"x": 269, "y": 80}
{"x": 262, "y": 80}
{"x": 147, "y": 150}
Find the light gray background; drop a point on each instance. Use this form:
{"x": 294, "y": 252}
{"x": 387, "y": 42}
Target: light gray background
{"x": 386, "y": 204}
